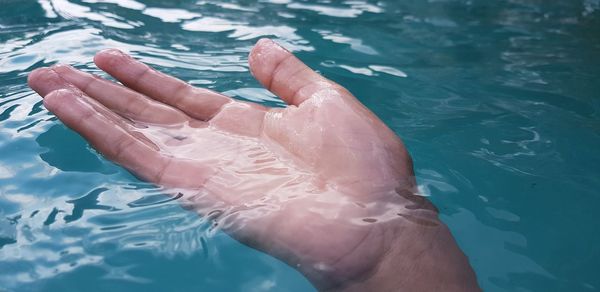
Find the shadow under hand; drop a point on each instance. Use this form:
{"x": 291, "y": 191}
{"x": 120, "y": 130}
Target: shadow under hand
{"x": 67, "y": 151}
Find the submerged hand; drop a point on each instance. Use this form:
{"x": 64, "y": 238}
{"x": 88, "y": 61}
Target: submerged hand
{"x": 322, "y": 184}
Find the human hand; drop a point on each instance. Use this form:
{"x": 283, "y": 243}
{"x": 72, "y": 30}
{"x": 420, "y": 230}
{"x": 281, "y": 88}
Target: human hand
{"x": 322, "y": 184}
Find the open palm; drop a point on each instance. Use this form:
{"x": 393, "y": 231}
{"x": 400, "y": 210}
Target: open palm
{"x": 322, "y": 184}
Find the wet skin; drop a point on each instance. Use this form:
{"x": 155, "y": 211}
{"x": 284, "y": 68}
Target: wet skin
{"x": 322, "y": 184}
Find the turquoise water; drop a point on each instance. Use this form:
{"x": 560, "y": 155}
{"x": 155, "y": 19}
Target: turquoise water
{"x": 498, "y": 102}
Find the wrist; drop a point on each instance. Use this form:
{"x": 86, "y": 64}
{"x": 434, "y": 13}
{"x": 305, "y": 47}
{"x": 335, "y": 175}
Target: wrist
{"x": 414, "y": 258}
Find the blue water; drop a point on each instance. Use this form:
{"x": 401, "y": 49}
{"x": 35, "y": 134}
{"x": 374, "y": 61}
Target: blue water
{"x": 498, "y": 102}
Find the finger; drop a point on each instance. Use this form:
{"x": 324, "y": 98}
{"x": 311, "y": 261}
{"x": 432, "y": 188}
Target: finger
{"x": 111, "y": 135}
{"x": 43, "y": 81}
{"x": 120, "y": 99}
{"x": 282, "y": 73}
{"x": 119, "y": 145}
{"x": 46, "y": 80}
{"x": 198, "y": 103}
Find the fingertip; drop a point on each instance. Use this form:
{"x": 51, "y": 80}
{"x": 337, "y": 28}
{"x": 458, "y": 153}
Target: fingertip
{"x": 264, "y": 41}
{"x": 262, "y": 47}
{"x": 36, "y": 75}
{"x": 43, "y": 80}
{"x": 267, "y": 43}
{"x": 107, "y": 56}
{"x": 279, "y": 71}
{"x": 61, "y": 68}
{"x": 263, "y": 58}
{"x": 71, "y": 75}
{"x": 254, "y": 54}
{"x": 110, "y": 52}
{"x": 47, "y": 79}
{"x": 56, "y": 97}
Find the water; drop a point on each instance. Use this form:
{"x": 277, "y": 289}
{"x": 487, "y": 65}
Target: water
{"x": 496, "y": 100}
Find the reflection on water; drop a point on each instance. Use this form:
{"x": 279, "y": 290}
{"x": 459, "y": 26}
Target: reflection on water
{"x": 496, "y": 101}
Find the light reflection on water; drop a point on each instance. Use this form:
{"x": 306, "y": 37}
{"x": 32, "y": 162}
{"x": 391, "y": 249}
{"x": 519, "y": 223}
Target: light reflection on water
{"x": 496, "y": 100}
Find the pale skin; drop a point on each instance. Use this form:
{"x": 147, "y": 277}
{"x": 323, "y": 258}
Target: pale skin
{"x": 321, "y": 184}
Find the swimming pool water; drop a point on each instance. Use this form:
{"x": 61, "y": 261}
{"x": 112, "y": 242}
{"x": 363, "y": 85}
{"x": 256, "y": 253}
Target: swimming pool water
{"x": 498, "y": 102}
